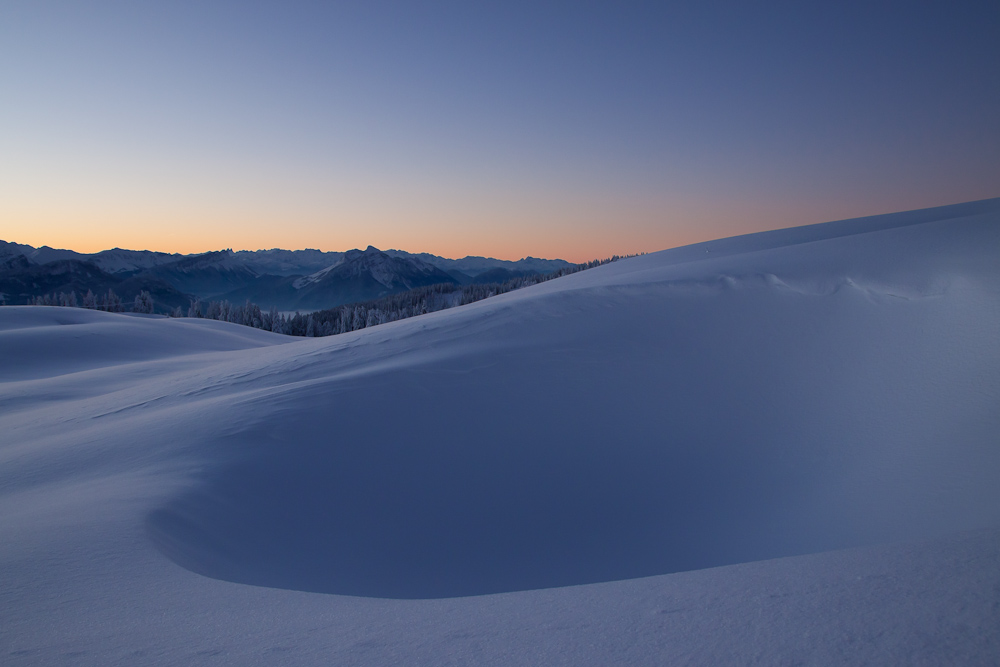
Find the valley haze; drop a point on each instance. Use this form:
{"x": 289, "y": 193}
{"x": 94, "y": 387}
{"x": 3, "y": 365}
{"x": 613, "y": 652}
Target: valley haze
{"x": 766, "y": 449}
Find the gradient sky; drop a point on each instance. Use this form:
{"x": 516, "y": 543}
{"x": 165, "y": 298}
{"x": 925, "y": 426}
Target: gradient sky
{"x": 573, "y": 130}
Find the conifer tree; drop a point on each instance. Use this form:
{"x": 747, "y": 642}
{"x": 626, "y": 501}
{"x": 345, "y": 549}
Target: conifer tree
{"x": 113, "y": 302}
{"x": 143, "y": 303}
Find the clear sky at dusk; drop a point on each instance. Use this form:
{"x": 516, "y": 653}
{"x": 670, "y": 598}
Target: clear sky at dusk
{"x": 572, "y": 130}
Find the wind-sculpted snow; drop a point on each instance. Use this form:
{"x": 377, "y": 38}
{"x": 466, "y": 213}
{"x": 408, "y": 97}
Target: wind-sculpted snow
{"x": 43, "y": 341}
{"x": 596, "y": 434}
{"x": 823, "y": 388}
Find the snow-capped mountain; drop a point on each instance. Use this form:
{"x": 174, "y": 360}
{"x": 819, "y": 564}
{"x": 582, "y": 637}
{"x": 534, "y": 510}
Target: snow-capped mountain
{"x": 289, "y": 279}
{"x": 20, "y": 280}
{"x": 356, "y": 276}
{"x": 207, "y": 274}
{"x": 472, "y": 267}
{"x": 41, "y": 255}
{"x": 392, "y": 273}
{"x": 116, "y": 260}
{"x": 278, "y": 262}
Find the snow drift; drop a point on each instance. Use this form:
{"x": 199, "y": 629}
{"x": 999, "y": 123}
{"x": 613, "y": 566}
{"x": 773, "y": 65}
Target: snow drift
{"x": 647, "y": 418}
{"x": 766, "y": 396}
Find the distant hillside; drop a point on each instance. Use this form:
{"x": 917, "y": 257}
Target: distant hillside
{"x": 358, "y": 276}
{"x": 21, "y": 281}
{"x": 205, "y": 275}
{"x": 474, "y": 266}
{"x": 115, "y": 260}
{"x": 278, "y": 262}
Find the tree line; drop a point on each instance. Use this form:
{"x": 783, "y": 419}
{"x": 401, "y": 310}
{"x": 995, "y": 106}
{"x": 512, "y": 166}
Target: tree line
{"x": 418, "y": 301}
{"x": 332, "y": 321}
{"x": 109, "y": 302}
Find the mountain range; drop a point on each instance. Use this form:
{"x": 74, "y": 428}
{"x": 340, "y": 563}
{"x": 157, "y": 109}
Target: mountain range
{"x": 284, "y": 279}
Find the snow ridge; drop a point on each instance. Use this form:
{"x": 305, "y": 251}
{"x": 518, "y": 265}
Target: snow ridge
{"x": 618, "y": 466}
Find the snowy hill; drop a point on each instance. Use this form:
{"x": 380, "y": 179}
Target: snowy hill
{"x": 627, "y": 465}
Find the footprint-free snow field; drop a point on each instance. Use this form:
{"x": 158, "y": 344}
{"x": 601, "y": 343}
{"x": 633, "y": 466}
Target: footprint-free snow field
{"x": 775, "y": 447}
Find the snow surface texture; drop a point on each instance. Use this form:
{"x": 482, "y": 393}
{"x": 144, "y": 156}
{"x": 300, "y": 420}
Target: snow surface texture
{"x": 588, "y": 471}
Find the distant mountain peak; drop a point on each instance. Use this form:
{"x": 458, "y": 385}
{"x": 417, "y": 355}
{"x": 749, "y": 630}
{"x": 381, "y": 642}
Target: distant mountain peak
{"x": 370, "y": 273}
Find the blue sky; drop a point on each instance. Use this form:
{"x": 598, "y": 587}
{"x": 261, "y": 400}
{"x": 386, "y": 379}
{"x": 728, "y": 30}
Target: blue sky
{"x": 575, "y": 130}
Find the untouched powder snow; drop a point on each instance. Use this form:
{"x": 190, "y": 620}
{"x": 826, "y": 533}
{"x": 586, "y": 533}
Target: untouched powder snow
{"x": 775, "y": 448}
{"x": 44, "y": 341}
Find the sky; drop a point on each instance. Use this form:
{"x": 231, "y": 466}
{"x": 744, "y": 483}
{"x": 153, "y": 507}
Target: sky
{"x": 574, "y": 130}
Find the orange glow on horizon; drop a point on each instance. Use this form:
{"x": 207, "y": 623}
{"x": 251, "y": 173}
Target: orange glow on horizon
{"x": 561, "y": 238}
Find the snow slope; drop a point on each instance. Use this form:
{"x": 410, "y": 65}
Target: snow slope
{"x": 47, "y": 341}
{"x": 626, "y": 465}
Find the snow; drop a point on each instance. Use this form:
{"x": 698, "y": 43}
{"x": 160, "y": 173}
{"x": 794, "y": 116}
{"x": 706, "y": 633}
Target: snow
{"x": 118, "y": 260}
{"x": 316, "y": 276}
{"x": 776, "y": 448}
{"x": 45, "y": 341}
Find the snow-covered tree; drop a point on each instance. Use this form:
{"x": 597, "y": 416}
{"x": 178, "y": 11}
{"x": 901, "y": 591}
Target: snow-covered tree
{"x": 278, "y": 322}
{"x": 213, "y": 311}
{"x": 112, "y": 303}
{"x": 143, "y": 303}
{"x": 254, "y": 316}
{"x": 89, "y": 300}
{"x": 268, "y": 319}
